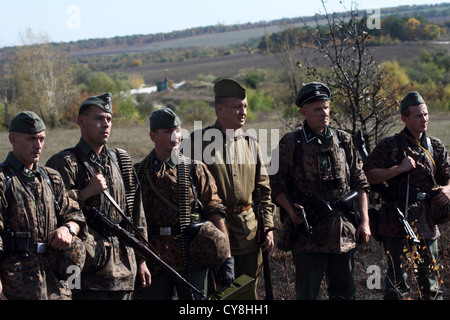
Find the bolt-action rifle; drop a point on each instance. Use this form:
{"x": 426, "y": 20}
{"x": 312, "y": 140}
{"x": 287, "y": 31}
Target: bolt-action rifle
{"x": 383, "y": 190}
{"x": 262, "y": 238}
{"x": 138, "y": 245}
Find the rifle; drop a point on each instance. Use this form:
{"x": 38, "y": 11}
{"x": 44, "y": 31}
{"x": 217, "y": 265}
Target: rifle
{"x": 382, "y": 189}
{"x": 406, "y": 226}
{"x": 138, "y": 245}
{"x": 263, "y": 235}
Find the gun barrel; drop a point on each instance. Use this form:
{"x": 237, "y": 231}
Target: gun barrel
{"x": 406, "y": 226}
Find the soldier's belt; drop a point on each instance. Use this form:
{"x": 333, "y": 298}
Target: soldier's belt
{"x": 238, "y": 209}
{"x": 166, "y": 231}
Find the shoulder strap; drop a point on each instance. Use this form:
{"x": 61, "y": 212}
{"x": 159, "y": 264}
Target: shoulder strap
{"x": 159, "y": 194}
{"x": 417, "y": 143}
{"x": 50, "y": 184}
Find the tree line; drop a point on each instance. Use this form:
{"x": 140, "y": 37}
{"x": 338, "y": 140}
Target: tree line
{"x": 46, "y": 80}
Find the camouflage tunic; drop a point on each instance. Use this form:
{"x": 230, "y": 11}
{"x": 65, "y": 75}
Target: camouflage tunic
{"x": 236, "y": 165}
{"x": 29, "y": 207}
{"x": 424, "y": 177}
{"x": 160, "y": 214}
{"x": 299, "y": 170}
{"x": 120, "y": 270}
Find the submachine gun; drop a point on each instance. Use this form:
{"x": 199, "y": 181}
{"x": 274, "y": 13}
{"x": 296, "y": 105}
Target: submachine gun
{"x": 138, "y": 245}
{"x": 382, "y": 190}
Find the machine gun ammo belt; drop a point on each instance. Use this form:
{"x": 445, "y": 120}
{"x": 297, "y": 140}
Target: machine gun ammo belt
{"x": 126, "y": 167}
{"x": 184, "y": 207}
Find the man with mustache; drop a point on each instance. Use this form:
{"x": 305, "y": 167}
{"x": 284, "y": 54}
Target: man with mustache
{"x": 319, "y": 165}
{"x": 111, "y": 266}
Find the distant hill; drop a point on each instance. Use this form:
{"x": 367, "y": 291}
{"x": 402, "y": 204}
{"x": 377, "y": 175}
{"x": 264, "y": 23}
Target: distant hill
{"x": 223, "y": 35}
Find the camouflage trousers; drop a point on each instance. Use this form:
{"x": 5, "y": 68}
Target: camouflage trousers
{"x": 311, "y": 267}
{"x": 402, "y": 260}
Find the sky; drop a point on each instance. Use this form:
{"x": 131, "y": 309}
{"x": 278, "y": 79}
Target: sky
{"x": 72, "y": 20}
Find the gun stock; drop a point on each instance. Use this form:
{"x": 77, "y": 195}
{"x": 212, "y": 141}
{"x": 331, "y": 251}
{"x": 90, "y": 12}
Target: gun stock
{"x": 139, "y": 246}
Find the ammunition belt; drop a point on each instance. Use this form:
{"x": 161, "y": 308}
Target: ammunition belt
{"x": 126, "y": 166}
{"x": 184, "y": 204}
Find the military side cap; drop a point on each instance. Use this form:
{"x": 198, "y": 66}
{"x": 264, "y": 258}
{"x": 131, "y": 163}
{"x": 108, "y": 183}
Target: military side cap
{"x": 103, "y": 101}
{"x": 27, "y": 122}
{"x": 312, "y": 92}
{"x": 413, "y": 98}
{"x": 164, "y": 119}
{"x": 229, "y": 88}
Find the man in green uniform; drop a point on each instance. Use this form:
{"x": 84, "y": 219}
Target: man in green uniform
{"x": 37, "y": 217}
{"x": 234, "y": 160}
{"x": 416, "y": 169}
{"x": 167, "y": 177}
{"x": 318, "y": 166}
{"x": 111, "y": 266}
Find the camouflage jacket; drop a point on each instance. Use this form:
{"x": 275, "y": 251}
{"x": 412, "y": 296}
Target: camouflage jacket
{"x": 162, "y": 212}
{"x": 28, "y": 206}
{"x": 299, "y": 172}
{"x": 120, "y": 270}
{"x": 425, "y": 176}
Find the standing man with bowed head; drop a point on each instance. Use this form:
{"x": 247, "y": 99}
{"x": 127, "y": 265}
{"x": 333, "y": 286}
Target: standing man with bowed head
{"x": 236, "y": 164}
{"x": 111, "y": 266}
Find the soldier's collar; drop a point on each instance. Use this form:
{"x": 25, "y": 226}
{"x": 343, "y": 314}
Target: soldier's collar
{"x": 19, "y": 167}
{"x": 157, "y": 163}
{"x": 310, "y": 135}
{"x": 89, "y": 153}
{"x": 423, "y": 142}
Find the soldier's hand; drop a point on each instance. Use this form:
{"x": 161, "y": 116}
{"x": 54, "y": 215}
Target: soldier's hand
{"x": 225, "y": 276}
{"x": 95, "y": 186}
{"x": 60, "y": 239}
{"x": 443, "y": 197}
{"x": 144, "y": 275}
{"x": 269, "y": 243}
{"x": 363, "y": 233}
{"x": 295, "y": 217}
{"x": 407, "y": 164}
